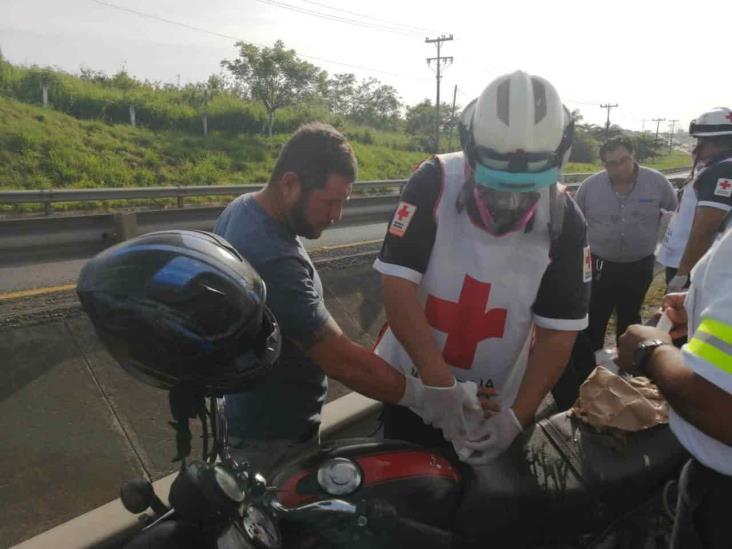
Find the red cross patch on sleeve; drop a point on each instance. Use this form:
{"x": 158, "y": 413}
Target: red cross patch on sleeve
{"x": 724, "y": 187}
{"x": 402, "y": 218}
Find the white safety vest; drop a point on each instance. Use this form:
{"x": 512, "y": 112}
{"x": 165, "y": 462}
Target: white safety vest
{"x": 478, "y": 291}
{"x": 671, "y": 248}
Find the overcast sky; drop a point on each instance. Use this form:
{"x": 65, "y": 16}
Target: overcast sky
{"x": 655, "y": 59}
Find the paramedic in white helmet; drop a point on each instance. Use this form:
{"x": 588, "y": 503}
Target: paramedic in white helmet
{"x": 712, "y": 191}
{"x": 486, "y": 269}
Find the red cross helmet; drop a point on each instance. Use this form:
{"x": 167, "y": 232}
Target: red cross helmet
{"x": 516, "y": 134}
{"x": 712, "y": 123}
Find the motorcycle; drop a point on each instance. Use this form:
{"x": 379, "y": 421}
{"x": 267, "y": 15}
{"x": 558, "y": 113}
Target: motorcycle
{"x": 561, "y": 484}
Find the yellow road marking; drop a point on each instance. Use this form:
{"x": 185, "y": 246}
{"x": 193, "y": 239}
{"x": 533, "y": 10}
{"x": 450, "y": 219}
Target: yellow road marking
{"x": 351, "y": 245}
{"x": 37, "y": 291}
{"x": 66, "y": 287}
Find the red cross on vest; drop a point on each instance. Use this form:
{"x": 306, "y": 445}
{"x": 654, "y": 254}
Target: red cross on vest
{"x": 725, "y": 185}
{"x": 467, "y": 322}
{"x": 729, "y": 117}
{"x": 403, "y": 212}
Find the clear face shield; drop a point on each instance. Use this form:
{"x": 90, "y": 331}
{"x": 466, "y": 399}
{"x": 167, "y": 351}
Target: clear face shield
{"x": 501, "y": 212}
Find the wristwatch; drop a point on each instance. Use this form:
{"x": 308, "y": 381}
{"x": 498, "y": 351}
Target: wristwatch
{"x": 643, "y": 353}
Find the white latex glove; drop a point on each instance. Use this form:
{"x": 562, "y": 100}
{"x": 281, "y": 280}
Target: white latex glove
{"x": 490, "y": 439}
{"x": 446, "y": 407}
{"x": 413, "y": 396}
{"x": 677, "y": 284}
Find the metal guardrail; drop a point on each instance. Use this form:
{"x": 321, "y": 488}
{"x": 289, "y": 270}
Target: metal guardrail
{"x": 53, "y": 237}
{"x": 179, "y": 192}
{"x": 35, "y": 238}
{"x": 49, "y": 196}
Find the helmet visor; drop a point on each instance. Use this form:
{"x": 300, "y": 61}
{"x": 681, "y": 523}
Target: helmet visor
{"x": 515, "y": 182}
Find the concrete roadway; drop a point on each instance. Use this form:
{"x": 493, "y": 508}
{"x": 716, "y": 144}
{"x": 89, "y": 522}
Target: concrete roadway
{"x": 64, "y": 271}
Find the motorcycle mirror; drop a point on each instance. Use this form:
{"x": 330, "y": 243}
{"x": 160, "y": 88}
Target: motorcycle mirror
{"x": 137, "y": 495}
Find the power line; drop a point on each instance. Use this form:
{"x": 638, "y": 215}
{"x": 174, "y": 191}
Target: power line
{"x": 340, "y": 19}
{"x": 237, "y": 38}
{"x": 420, "y": 29}
{"x": 439, "y": 40}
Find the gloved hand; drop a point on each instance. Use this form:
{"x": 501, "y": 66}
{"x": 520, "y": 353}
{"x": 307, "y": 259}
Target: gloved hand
{"x": 413, "y": 396}
{"x": 489, "y": 439}
{"x": 445, "y": 407}
{"x": 677, "y": 284}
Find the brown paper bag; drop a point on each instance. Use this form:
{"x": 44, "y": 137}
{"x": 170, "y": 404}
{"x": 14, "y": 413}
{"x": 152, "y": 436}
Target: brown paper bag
{"x": 607, "y": 400}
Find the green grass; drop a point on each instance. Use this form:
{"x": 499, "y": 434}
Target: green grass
{"x": 44, "y": 149}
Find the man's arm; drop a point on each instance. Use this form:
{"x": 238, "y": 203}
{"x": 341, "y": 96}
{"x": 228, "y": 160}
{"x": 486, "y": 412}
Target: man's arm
{"x": 669, "y": 201}
{"x": 707, "y": 221}
{"x": 548, "y": 358}
{"x": 295, "y": 300}
{"x": 698, "y": 401}
{"x": 408, "y": 322}
{"x": 353, "y": 365}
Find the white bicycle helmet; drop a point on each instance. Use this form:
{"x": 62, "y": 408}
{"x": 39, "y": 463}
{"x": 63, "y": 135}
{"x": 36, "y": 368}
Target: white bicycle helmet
{"x": 517, "y": 134}
{"x": 712, "y": 123}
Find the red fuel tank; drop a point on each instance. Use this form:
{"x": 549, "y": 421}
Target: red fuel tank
{"x": 421, "y": 485}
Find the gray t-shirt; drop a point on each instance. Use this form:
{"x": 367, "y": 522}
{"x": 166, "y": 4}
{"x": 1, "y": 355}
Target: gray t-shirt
{"x": 624, "y": 228}
{"x": 287, "y": 404}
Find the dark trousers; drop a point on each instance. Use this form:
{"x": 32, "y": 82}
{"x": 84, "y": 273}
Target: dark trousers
{"x": 702, "y": 511}
{"x": 620, "y": 286}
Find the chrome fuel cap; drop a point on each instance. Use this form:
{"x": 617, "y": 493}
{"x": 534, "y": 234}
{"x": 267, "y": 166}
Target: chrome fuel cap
{"x": 339, "y": 476}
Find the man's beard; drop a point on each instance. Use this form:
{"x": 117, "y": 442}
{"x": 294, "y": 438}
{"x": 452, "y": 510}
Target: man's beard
{"x": 296, "y": 222}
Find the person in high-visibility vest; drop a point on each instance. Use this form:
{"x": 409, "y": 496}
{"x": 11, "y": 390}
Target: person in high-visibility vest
{"x": 697, "y": 381}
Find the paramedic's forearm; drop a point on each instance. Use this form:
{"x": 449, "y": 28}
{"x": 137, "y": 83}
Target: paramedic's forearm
{"x": 546, "y": 362}
{"x": 407, "y": 320}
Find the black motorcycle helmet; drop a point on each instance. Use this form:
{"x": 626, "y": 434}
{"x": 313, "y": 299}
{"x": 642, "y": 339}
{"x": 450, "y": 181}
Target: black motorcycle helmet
{"x": 181, "y": 308}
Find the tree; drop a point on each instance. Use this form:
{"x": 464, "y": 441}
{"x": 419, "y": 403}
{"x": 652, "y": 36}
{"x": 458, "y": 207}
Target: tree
{"x": 375, "y": 104}
{"x": 275, "y": 76}
{"x": 340, "y": 92}
{"x": 420, "y": 122}
{"x": 646, "y": 146}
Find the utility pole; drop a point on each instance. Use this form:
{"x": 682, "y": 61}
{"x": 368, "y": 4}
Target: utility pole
{"x": 658, "y": 125}
{"x": 439, "y": 61}
{"x": 452, "y": 118}
{"x": 607, "y": 124}
{"x": 671, "y": 134}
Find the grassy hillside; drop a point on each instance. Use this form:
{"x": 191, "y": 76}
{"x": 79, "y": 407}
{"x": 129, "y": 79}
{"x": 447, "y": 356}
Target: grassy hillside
{"x": 41, "y": 149}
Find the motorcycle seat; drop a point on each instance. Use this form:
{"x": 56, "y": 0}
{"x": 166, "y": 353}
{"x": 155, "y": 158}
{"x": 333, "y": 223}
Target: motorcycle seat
{"x": 562, "y": 476}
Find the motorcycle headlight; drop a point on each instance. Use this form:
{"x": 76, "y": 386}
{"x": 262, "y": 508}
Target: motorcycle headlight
{"x": 228, "y": 484}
